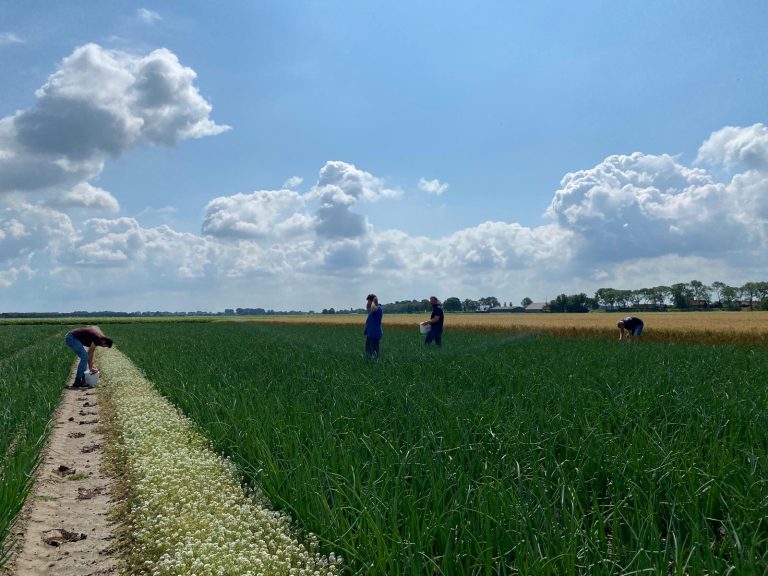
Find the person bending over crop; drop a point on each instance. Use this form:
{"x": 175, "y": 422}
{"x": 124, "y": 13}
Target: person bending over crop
{"x": 631, "y": 327}
{"x": 436, "y": 323}
{"x": 78, "y": 340}
{"x": 373, "y": 331}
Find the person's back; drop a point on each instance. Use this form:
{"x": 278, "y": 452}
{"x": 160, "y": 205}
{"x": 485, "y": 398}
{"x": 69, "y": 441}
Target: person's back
{"x": 87, "y": 335}
{"x": 437, "y": 312}
{"x": 373, "y": 327}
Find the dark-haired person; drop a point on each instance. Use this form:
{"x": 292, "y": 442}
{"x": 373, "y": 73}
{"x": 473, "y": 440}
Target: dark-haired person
{"x": 631, "y": 326}
{"x": 436, "y": 323}
{"x": 83, "y": 342}
{"x": 373, "y": 331}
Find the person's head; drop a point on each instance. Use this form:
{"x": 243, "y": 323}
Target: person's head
{"x": 434, "y": 301}
{"x": 372, "y": 299}
{"x": 620, "y": 324}
{"x": 106, "y": 342}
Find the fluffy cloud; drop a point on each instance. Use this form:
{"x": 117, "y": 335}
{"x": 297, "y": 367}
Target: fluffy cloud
{"x": 99, "y": 104}
{"x": 326, "y": 211}
{"x": 644, "y": 206}
{"x": 736, "y": 147}
{"x": 343, "y": 183}
{"x": 262, "y": 214}
{"x": 338, "y": 188}
{"x": 432, "y": 186}
{"x": 27, "y": 230}
{"x": 293, "y": 182}
{"x": 85, "y": 195}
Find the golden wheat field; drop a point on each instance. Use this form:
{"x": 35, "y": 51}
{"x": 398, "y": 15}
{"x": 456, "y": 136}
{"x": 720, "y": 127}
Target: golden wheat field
{"x": 745, "y": 328}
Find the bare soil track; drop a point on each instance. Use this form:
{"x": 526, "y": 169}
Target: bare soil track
{"x": 64, "y": 529}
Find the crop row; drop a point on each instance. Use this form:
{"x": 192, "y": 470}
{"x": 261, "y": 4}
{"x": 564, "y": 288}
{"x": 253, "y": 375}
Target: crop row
{"x": 34, "y": 365}
{"x": 496, "y": 454}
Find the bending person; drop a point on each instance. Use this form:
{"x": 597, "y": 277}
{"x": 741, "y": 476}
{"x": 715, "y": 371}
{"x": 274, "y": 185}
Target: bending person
{"x": 83, "y": 342}
{"x": 631, "y": 326}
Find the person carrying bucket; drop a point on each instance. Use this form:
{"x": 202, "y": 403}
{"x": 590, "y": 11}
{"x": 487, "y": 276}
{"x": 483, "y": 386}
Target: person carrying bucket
{"x": 435, "y": 323}
{"x": 78, "y": 340}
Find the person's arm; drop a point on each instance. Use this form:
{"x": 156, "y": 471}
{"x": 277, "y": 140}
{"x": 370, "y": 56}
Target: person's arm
{"x": 621, "y": 333}
{"x": 91, "y": 351}
{"x": 374, "y": 307}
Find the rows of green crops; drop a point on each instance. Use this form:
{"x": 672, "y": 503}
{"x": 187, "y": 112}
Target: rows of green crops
{"x": 34, "y": 365}
{"x": 494, "y": 455}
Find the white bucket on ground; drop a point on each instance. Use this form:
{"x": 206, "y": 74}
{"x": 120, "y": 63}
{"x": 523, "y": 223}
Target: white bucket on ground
{"x": 91, "y": 378}
{"x": 424, "y": 328}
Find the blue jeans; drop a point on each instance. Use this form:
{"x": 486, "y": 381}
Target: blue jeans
{"x": 436, "y": 335}
{"x": 82, "y": 353}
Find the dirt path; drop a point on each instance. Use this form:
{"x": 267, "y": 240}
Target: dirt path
{"x": 64, "y": 528}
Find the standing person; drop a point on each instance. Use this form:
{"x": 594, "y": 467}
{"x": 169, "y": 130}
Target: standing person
{"x": 436, "y": 321}
{"x": 83, "y": 342}
{"x": 632, "y": 326}
{"x": 373, "y": 331}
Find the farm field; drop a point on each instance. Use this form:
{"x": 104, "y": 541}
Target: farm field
{"x": 501, "y": 453}
{"x": 684, "y": 327}
{"x": 34, "y": 364}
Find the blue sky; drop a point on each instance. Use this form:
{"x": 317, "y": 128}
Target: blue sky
{"x": 191, "y": 156}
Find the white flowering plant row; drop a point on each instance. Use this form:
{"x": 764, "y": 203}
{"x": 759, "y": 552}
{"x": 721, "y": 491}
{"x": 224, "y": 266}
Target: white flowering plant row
{"x": 187, "y": 511}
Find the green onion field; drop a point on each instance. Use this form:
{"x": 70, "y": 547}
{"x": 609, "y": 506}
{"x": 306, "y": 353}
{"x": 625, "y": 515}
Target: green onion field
{"x": 34, "y": 364}
{"x": 494, "y": 455}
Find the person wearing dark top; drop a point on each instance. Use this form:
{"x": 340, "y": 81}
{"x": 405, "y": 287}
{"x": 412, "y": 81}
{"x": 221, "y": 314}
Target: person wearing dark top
{"x": 631, "y": 327}
{"x": 436, "y": 321}
{"x": 373, "y": 331}
{"x": 83, "y": 342}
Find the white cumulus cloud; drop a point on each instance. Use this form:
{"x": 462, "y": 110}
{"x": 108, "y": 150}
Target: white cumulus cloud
{"x": 432, "y": 186}
{"x": 735, "y": 146}
{"x": 293, "y": 182}
{"x": 262, "y": 214}
{"x": 644, "y": 205}
{"x": 85, "y": 195}
{"x": 99, "y": 104}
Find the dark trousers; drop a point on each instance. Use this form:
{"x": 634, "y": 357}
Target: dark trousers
{"x": 436, "y": 335}
{"x": 372, "y": 347}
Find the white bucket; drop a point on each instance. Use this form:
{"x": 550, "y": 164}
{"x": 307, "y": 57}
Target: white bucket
{"x": 91, "y": 378}
{"x": 425, "y": 328}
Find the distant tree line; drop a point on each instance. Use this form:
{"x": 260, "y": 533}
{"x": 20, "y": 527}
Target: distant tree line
{"x": 693, "y": 295}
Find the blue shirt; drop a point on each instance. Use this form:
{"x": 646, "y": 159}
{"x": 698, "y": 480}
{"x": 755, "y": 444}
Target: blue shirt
{"x": 438, "y": 311}
{"x": 373, "y": 324}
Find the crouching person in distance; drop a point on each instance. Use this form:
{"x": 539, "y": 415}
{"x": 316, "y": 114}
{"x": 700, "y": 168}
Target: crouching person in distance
{"x": 630, "y": 327}
{"x": 83, "y": 342}
{"x": 373, "y": 331}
